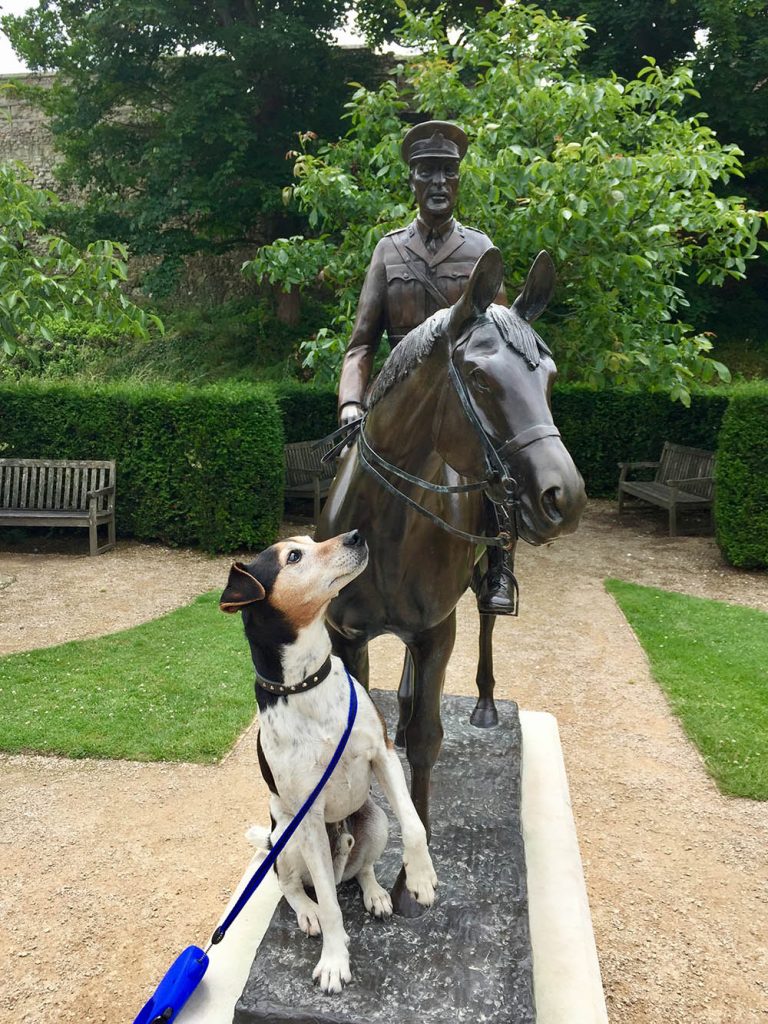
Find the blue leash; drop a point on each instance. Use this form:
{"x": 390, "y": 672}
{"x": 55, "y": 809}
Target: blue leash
{"x": 187, "y": 971}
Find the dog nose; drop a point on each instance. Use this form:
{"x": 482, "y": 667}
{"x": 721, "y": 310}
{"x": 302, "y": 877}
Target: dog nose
{"x": 353, "y": 539}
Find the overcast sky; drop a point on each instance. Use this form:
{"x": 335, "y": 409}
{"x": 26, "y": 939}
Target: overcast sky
{"x": 9, "y": 62}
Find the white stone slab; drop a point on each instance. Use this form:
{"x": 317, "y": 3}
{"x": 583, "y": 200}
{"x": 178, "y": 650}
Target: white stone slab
{"x": 566, "y": 970}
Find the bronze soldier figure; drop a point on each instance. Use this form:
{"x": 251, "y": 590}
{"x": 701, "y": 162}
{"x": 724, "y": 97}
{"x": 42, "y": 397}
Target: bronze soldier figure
{"x": 415, "y": 271}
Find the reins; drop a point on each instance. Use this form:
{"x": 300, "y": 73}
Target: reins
{"x": 495, "y": 471}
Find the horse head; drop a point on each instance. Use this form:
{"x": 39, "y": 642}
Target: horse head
{"x": 500, "y": 380}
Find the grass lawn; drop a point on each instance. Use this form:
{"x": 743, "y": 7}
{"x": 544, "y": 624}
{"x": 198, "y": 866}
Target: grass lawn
{"x": 711, "y": 660}
{"x": 179, "y": 688}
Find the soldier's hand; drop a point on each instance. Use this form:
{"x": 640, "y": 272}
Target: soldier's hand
{"x": 349, "y": 412}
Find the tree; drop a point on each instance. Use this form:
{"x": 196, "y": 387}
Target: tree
{"x": 724, "y": 41}
{"x": 42, "y": 275}
{"x": 175, "y": 116}
{"x": 625, "y": 32}
{"x": 603, "y": 173}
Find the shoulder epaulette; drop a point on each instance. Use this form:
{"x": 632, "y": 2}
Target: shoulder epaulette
{"x": 398, "y": 231}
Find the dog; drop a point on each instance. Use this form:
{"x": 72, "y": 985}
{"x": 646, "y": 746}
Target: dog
{"x": 303, "y": 696}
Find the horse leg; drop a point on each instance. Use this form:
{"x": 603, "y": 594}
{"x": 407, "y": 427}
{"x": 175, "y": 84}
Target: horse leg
{"x": 485, "y": 714}
{"x": 424, "y": 732}
{"x": 354, "y": 654}
{"x": 404, "y": 699}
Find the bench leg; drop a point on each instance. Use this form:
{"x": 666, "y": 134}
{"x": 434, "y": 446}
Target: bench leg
{"x": 621, "y": 501}
{"x": 673, "y": 520}
{"x": 111, "y": 534}
{"x": 93, "y": 537}
{"x": 317, "y": 499}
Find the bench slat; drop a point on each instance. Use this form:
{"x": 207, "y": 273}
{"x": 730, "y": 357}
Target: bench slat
{"x": 693, "y": 467}
{"x": 37, "y": 492}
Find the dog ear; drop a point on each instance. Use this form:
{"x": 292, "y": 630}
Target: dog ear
{"x": 242, "y": 588}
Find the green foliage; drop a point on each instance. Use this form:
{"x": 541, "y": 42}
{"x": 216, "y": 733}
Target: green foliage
{"x": 741, "y": 477}
{"x": 602, "y": 427}
{"x": 175, "y": 116}
{"x": 44, "y": 276}
{"x": 194, "y": 465}
{"x": 308, "y": 412}
{"x": 174, "y": 689}
{"x": 607, "y": 175}
{"x": 710, "y": 659}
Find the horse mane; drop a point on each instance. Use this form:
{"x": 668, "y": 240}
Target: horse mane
{"x": 407, "y": 354}
{"x": 419, "y": 343}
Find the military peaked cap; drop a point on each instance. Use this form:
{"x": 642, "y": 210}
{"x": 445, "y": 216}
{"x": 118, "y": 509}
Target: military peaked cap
{"x": 434, "y": 139}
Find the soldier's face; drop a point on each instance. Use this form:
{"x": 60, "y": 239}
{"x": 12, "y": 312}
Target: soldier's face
{"x": 435, "y": 183}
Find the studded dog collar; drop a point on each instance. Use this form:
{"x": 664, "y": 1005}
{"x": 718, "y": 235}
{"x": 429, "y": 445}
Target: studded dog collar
{"x": 308, "y": 683}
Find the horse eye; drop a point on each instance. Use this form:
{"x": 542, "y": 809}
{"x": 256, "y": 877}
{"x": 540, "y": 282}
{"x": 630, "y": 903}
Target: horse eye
{"x": 294, "y": 555}
{"x": 480, "y": 381}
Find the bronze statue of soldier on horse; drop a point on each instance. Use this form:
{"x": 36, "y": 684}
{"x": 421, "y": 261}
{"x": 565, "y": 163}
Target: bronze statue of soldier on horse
{"x": 454, "y": 453}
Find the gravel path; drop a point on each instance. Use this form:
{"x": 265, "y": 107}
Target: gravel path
{"x": 107, "y": 869}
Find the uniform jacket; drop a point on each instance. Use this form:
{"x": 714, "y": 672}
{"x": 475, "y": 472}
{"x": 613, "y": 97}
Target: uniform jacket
{"x": 394, "y": 300}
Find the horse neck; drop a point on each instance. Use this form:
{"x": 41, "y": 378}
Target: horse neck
{"x": 401, "y": 425}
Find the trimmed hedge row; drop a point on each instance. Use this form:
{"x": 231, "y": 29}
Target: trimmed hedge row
{"x": 741, "y": 479}
{"x": 195, "y": 466}
{"x": 605, "y": 427}
{"x": 599, "y": 427}
{"x": 205, "y": 466}
{"x": 308, "y": 411}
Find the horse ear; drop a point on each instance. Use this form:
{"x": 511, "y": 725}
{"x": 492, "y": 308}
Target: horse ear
{"x": 482, "y": 288}
{"x": 538, "y": 288}
{"x": 242, "y": 588}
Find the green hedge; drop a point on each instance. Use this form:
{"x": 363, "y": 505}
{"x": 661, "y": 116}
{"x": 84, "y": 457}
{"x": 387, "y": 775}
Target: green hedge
{"x": 600, "y": 427}
{"x": 741, "y": 479}
{"x": 195, "y": 466}
{"x": 603, "y": 428}
{"x": 204, "y": 466}
{"x": 308, "y": 411}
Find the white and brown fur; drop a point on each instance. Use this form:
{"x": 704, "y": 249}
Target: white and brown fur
{"x": 283, "y": 596}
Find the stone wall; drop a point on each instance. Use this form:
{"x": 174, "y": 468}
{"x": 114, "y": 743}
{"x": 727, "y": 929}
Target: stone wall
{"x": 24, "y": 132}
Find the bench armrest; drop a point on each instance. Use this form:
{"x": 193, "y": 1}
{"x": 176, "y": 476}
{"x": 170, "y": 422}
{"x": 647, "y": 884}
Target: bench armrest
{"x": 100, "y": 492}
{"x": 625, "y": 467}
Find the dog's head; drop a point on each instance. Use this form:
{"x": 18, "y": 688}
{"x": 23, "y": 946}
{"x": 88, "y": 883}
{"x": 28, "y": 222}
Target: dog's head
{"x": 295, "y": 579}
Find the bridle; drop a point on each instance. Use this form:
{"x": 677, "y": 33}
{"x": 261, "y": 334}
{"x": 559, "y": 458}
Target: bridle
{"x": 496, "y": 474}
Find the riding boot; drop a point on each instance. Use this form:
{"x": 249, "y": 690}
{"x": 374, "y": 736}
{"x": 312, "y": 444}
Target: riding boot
{"x": 497, "y": 592}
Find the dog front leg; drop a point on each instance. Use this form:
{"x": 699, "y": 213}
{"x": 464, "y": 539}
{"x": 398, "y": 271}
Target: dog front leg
{"x": 332, "y": 970}
{"x": 420, "y": 877}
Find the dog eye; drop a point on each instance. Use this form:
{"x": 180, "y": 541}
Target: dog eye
{"x": 294, "y": 555}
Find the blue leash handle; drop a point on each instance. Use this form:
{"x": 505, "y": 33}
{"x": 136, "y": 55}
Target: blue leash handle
{"x": 266, "y": 865}
{"x": 187, "y": 971}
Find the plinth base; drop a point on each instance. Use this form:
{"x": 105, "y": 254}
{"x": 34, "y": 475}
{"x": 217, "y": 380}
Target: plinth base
{"x": 468, "y": 958}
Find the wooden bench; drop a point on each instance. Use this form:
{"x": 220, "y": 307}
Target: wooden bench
{"x": 305, "y": 475}
{"x": 683, "y": 479}
{"x": 46, "y": 492}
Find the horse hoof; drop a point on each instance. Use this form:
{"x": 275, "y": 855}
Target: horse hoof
{"x": 484, "y": 718}
{"x": 400, "y": 739}
{"x": 403, "y": 902}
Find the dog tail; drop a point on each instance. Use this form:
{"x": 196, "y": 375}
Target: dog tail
{"x": 258, "y": 837}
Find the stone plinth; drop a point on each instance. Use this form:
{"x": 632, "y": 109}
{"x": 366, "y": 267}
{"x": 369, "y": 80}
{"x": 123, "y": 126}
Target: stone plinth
{"x": 468, "y": 958}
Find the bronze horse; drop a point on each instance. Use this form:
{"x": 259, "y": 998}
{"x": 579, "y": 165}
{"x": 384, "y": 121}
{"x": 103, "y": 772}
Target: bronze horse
{"x": 460, "y": 408}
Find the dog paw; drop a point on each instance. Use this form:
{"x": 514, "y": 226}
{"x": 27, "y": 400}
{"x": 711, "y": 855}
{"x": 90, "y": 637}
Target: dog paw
{"x": 332, "y": 972}
{"x": 377, "y": 901}
{"x": 309, "y": 922}
{"x": 421, "y": 880}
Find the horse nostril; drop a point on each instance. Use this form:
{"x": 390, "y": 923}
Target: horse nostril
{"x": 549, "y": 502}
{"x": 353, "y": 539}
